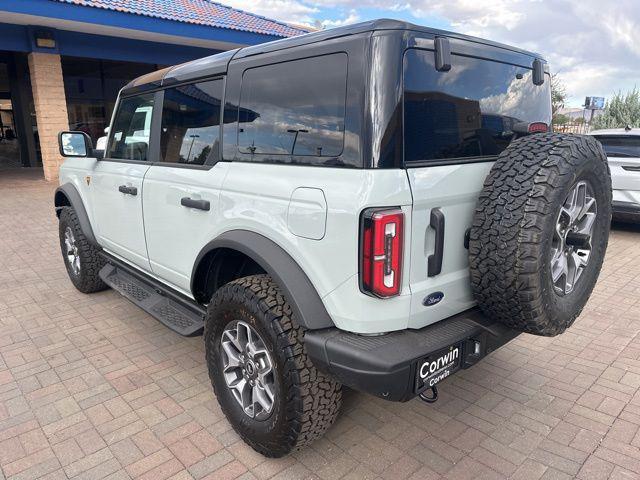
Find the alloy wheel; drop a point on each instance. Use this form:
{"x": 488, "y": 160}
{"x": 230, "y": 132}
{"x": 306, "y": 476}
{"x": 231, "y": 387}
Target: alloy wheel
{"x": 72, "y": 252}
{"x": 248, "y": 370}
{"x": 571, "y": 245}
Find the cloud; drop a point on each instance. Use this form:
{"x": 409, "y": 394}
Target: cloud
{"x": 291, "y": 11}
{"x": 353, "y": 17}
{"x": 593, "y": 44}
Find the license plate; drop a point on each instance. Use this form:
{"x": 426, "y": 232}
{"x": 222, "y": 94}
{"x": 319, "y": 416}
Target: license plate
{"x": 438, "y": 366}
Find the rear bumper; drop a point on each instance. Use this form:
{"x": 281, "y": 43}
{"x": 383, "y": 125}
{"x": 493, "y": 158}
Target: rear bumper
{"x": 625, "y": 208}
{"x": 386, "y": 366}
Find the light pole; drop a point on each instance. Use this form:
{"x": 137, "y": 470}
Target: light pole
{"x": 295, "y": 138}
{"x": 193, "y": 139}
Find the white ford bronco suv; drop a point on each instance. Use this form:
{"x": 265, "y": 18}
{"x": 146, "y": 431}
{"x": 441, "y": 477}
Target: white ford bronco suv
{"x": 375, "y": 206}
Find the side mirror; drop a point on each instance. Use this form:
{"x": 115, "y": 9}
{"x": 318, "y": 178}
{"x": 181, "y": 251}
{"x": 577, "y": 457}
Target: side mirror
{"x": 75, "y": 144}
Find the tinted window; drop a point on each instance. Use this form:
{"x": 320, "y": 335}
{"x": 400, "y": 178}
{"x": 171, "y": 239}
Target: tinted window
{"x": 623, "y": 146}
{"x": 190, "y": 130}
{"x": 132, "y": 128}
{"x": 475, "y": 109}
{"x": 294, "y": 108}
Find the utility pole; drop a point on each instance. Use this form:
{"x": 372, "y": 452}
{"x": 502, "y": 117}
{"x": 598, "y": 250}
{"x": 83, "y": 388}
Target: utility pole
{"x": 295, "y": 138}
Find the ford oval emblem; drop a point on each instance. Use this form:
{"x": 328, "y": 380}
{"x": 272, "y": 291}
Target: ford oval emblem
{"x": 432, "y": 299}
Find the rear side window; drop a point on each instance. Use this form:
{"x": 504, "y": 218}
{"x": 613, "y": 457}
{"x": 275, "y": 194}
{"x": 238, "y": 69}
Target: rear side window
{"x": 474, "y": 110}
{"x": 131, "y": 129}
{"x": 621, "y": 146}
{"x": 190, "y": 132}
{"x": 294, "y": 108}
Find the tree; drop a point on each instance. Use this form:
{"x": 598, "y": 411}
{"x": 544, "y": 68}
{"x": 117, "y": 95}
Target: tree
{"x": 621, "y": 110}
{"x": 558, "y": 93}
{"x": 558, "y": 97}
{"x": 202, "y": 157}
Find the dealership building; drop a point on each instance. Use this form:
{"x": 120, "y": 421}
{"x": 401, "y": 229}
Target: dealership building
{"x": 62, "y": 62}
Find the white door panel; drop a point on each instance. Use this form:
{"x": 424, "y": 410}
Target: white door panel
{"x": 175, "y": 233}
{"x": 118, "y": 223}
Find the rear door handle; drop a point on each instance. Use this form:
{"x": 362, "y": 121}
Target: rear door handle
{"x": 127, "y": 190}
{"x": 193, "y": 203}
{"x": 434, "y": 262}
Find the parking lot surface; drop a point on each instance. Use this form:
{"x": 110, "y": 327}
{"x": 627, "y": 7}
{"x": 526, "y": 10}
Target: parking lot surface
{"x": 93, "y": 387}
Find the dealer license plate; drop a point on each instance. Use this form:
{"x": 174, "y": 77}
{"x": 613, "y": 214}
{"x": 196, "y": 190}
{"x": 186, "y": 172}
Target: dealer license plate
{"x": 437, "y": 367}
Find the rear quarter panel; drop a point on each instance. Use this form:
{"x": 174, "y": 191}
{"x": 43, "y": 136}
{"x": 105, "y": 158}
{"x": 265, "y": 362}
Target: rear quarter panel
{"x": 257, "y": 197}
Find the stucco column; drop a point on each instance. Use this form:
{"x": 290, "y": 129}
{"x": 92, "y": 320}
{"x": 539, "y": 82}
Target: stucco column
{"x": 51, "y": 108}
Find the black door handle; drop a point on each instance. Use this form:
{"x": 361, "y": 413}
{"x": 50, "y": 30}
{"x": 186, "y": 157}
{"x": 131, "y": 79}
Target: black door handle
{"x": 435, "y": 261}
{"x": 192, "y": 203}
{"x": 128, "y": 190}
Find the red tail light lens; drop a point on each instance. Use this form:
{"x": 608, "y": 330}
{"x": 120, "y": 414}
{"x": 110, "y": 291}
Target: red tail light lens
{"x": 538, "y": 127}
{"x": 382, "y": 237}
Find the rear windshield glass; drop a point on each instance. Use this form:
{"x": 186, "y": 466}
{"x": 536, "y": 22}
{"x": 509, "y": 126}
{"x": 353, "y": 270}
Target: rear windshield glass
{"x": 474, "y": 110}
{"x": 623, "y": 146}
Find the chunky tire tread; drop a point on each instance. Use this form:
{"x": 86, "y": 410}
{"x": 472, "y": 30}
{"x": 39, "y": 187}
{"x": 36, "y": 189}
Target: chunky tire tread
{"x": 90, "y": 260}
{"x": 313, "y": 398}
{"x": 510, "y": 236}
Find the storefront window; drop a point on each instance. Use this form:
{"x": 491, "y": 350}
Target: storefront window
{"x": 92, "y": 86}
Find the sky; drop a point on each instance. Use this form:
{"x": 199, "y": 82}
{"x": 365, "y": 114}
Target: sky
{"x": 593, "y": 45}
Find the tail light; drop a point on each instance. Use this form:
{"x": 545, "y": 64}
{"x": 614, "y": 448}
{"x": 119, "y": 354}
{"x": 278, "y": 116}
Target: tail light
{"x": 538, "y": 127}
{"x": 381, "y": 238}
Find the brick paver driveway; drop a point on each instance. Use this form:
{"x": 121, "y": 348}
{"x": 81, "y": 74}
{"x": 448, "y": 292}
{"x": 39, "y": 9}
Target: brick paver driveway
{"x": 90, "y": 386}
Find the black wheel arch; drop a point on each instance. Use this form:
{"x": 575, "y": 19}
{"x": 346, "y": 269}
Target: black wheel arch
{"x": 307, "y": 305}
{"x": 67, "y": 195}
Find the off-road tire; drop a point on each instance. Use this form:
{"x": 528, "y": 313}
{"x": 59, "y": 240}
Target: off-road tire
{"x": 91, "y": 262}
{"x": 307, "y": 400}
{"x": 513, "y": 226}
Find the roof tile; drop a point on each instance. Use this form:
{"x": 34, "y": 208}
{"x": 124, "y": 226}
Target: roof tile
{"x": 199, "y": 12}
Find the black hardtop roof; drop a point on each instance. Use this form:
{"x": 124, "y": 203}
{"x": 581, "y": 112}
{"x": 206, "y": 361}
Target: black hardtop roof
{"x": 217, "y": 64}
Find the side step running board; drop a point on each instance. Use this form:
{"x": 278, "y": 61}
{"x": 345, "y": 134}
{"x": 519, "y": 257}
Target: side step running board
{"x": 175, "y": 313}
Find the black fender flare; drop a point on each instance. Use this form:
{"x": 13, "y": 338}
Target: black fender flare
{"x": 68, "y": 195}
{"x": 305, "y": 302}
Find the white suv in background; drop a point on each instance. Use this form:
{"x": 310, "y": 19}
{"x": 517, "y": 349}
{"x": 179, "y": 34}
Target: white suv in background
{"x": 622, "y": 146}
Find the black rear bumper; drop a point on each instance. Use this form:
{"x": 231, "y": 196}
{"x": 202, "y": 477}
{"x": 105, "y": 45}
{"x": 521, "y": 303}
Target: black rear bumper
{"x": 386, "y": 366}
{"x": 625, "y": 208}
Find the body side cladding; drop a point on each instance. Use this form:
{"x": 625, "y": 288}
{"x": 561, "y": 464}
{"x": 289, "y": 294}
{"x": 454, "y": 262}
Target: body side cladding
{"x": 67, "y": 196}
{"x": 304, "y": 299}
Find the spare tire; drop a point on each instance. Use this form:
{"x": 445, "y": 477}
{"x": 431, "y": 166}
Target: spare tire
{"x": 540, "y": 231}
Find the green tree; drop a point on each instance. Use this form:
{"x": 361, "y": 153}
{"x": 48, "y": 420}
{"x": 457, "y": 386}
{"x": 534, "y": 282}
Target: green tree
{"x": 560, "y": 119}
{"x": 202, "y": 157}
{"x": 621, "y": 109}
{"x": 558, "y": 93}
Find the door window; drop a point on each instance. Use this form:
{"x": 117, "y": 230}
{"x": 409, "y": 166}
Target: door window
{"x": 190, "y": 132}
{"x": 132, "y": 129}
{"x": 294, "y": 108}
